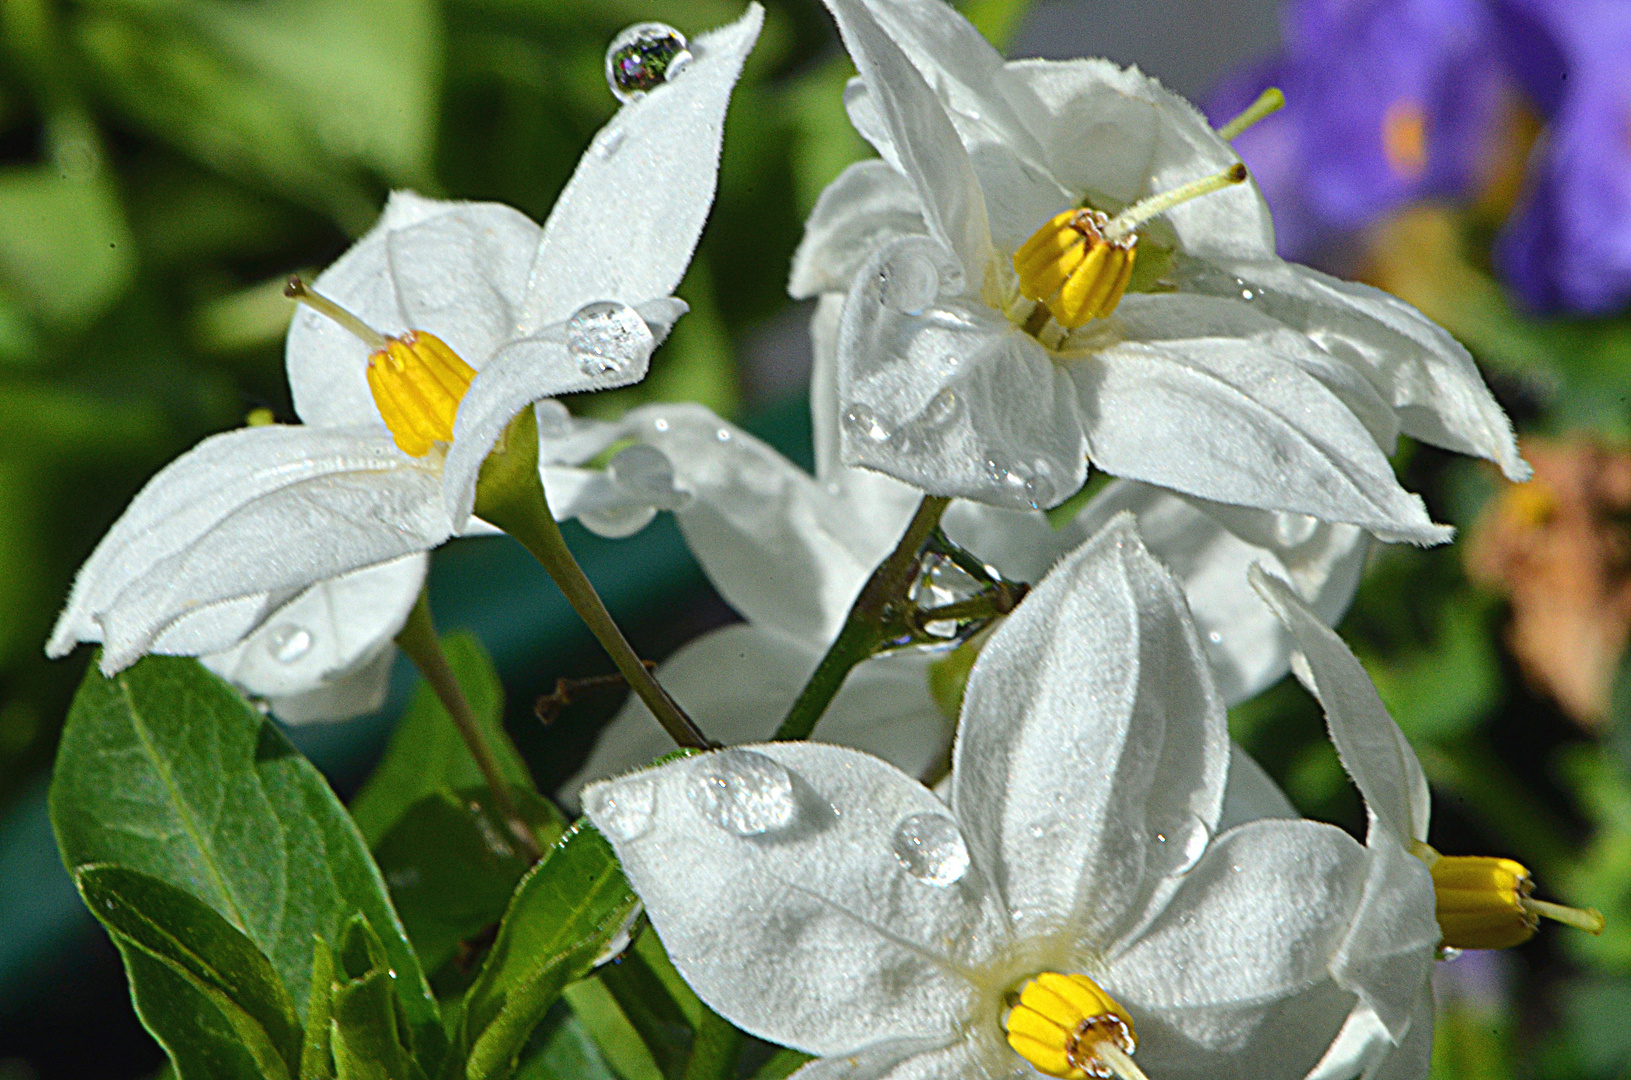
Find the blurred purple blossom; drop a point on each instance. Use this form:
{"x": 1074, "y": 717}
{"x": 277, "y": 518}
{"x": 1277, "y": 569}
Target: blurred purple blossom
{"x": 1387, "y": 102}
{"x": 1568, "y": 245}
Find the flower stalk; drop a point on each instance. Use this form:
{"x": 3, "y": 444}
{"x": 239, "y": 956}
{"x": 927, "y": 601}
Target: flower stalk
{"x": 510, "y": 495}
{"x": 863, "y": 630}
{"x": 418, "y": 639}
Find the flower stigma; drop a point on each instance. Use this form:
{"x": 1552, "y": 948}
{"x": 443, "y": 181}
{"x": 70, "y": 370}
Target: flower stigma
{"x": 1484, "y": 902}
{"x": 1067, "y": 1026}
{"x": 1078, "y": 265}
{"x": 416, "y": 380}
{"x": 1270, "y": 101}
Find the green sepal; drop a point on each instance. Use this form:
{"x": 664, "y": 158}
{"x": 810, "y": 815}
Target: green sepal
{"x": 316, "y": 1050}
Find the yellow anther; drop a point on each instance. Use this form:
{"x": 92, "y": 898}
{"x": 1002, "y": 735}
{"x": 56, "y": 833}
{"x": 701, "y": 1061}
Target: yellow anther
{"x": 1068, "y": 1027}
{"x": 1484, "y": 903}
{"x": 416, "y": 380}
{"x": 418, "y": 383}
{"x": 1070, "y": 266}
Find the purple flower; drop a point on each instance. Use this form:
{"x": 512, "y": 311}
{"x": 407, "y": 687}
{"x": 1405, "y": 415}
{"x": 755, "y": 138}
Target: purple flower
{"x": 1388, "y": 102}
{"x": 1568, "y": 245}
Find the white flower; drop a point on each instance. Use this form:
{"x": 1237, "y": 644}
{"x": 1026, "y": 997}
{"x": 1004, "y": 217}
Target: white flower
{"x": 790, "y": 552}
{"x": 470, "y": 310}
{"x": 1415, "y": 898}
{"x": 1224, "y": 372}
{"x": 818, "y": 898}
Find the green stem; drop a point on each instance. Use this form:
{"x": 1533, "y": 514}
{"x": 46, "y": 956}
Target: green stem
{"x": 511, "y": 496}
{"x": 715, "y": 1049}
{"x": 418, "y": 639}
{"x": 863, "y": 629}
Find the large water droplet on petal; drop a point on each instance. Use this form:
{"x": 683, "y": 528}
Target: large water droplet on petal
{"x": 941, "y": 409}
{"x": 1177, "y": 841}
{"x": 608, "y": 338}
{"x": 908, "y": 282}
{"x": 645, "y": 472}
{"x": 623, "y": 810}
{"x": 1039, "y": 491}
{"x": 643, "y": 57}
{"x": 1290, "y": 530}
{"x": 863, "y": 423}
{"x": 742, "y": 792}
{"x": 288, "y": 643}
{"x": 931, "y": 849}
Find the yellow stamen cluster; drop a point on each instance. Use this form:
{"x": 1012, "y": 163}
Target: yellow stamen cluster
{"x": 1070, "y": 257}
{"x": 1067, "y": 1026}
{"x": 1485, "y": 902}
{"x": 418, "y": 382}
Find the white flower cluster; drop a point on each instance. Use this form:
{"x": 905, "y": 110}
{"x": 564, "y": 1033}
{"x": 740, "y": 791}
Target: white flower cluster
{"x": 1098, "y": 838}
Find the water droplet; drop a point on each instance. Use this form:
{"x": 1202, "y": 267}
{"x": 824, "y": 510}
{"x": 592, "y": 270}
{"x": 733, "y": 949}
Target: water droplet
{"x": 643, "y": 57}
{"x": 996, "y": 471}
{"x": 1247, "y": 294}
{"x": 644, "y": 471}
{"x": 607, "y": 142}
{"x": 623, "y": 810}
{"x": 1215, "y": 638}
{"x": 1177, "y": 842}
{"x": 1448, "y": 953}
{"x": 608, "y": 338}
{"x": 661, "y": 424}
{"x": 908, "y": 282}
{"x": 723, "y": 435}
{"x": 1039, "y": 491}
{"x": 931, "y": 849}
{"x": 864, "y": 423}
{"x": 940, "y": 409}
{"x": 288, "y": 643}
{"x": 1291, "y": 530}
{"x": 743, "y": 792}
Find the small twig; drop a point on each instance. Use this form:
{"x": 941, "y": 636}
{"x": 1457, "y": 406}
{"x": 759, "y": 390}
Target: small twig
{"x": 548, "y": 707}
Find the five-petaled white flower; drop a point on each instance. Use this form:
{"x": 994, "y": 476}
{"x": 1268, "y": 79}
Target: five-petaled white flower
{"x": 1416, "y": 900}
{"x": 984, "y": 352}
{"x": 1072, "y": 906}
{"x": 414, "y": 351}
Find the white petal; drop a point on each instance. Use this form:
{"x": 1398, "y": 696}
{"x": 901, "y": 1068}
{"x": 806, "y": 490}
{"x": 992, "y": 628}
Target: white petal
{"x": 1226, "y": 420}
{"x": 1413, "y": 362}
{"x": 1413, "y": 1057}
{"x": 625, "y": 225}
{"x": 1092, "y": 754}
{"x": 1116, "y": 132}
{"x": 356, "y": 693}
{"x": 925, "y": 142}
{"x": 1282, "y": 1038}
{"x": 847, "y": 950}
{"x": 1251, "y": 794}
{"x": 1252, "y": 924}
{"x": 738, "y": 682}
{"x": 1153, "y": 317}
{"x": 200, "y": 532}
{"x": 1203, "y": 545}
{"x": 459, "y": 262}
{"x": 1361, "y": 1043}
{"x": 1373, "y": 749}
{"x": 895, "y": 1060}
{"x": 868, "y": 205}
{"x": 324, "y": 633}
{"x": 781, "y": 549}
{"x": 954, "y": 400}
{"x": 1389, "y": 950}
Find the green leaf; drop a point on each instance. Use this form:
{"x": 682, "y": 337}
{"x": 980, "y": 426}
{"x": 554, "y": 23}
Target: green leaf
{"x": 452, "y": 868}
{"x": 316, "y": 1051}
{"x": 202, "y": 1042}
{"x": 369, "y": 1042}
{"x": 562, "y": 1049}
{"x": 656, "y": 1017}
{"x": 782, "y": 1064}
{"x": 175, "y": 929}
{"x": 564, "y": 914}
{"x": 167, "y": 770}
{"x": 426, "y": 755}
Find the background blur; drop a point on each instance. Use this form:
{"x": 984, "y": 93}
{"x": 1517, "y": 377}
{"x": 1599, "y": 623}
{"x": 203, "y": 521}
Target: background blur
{"x": 164, "y": 164}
